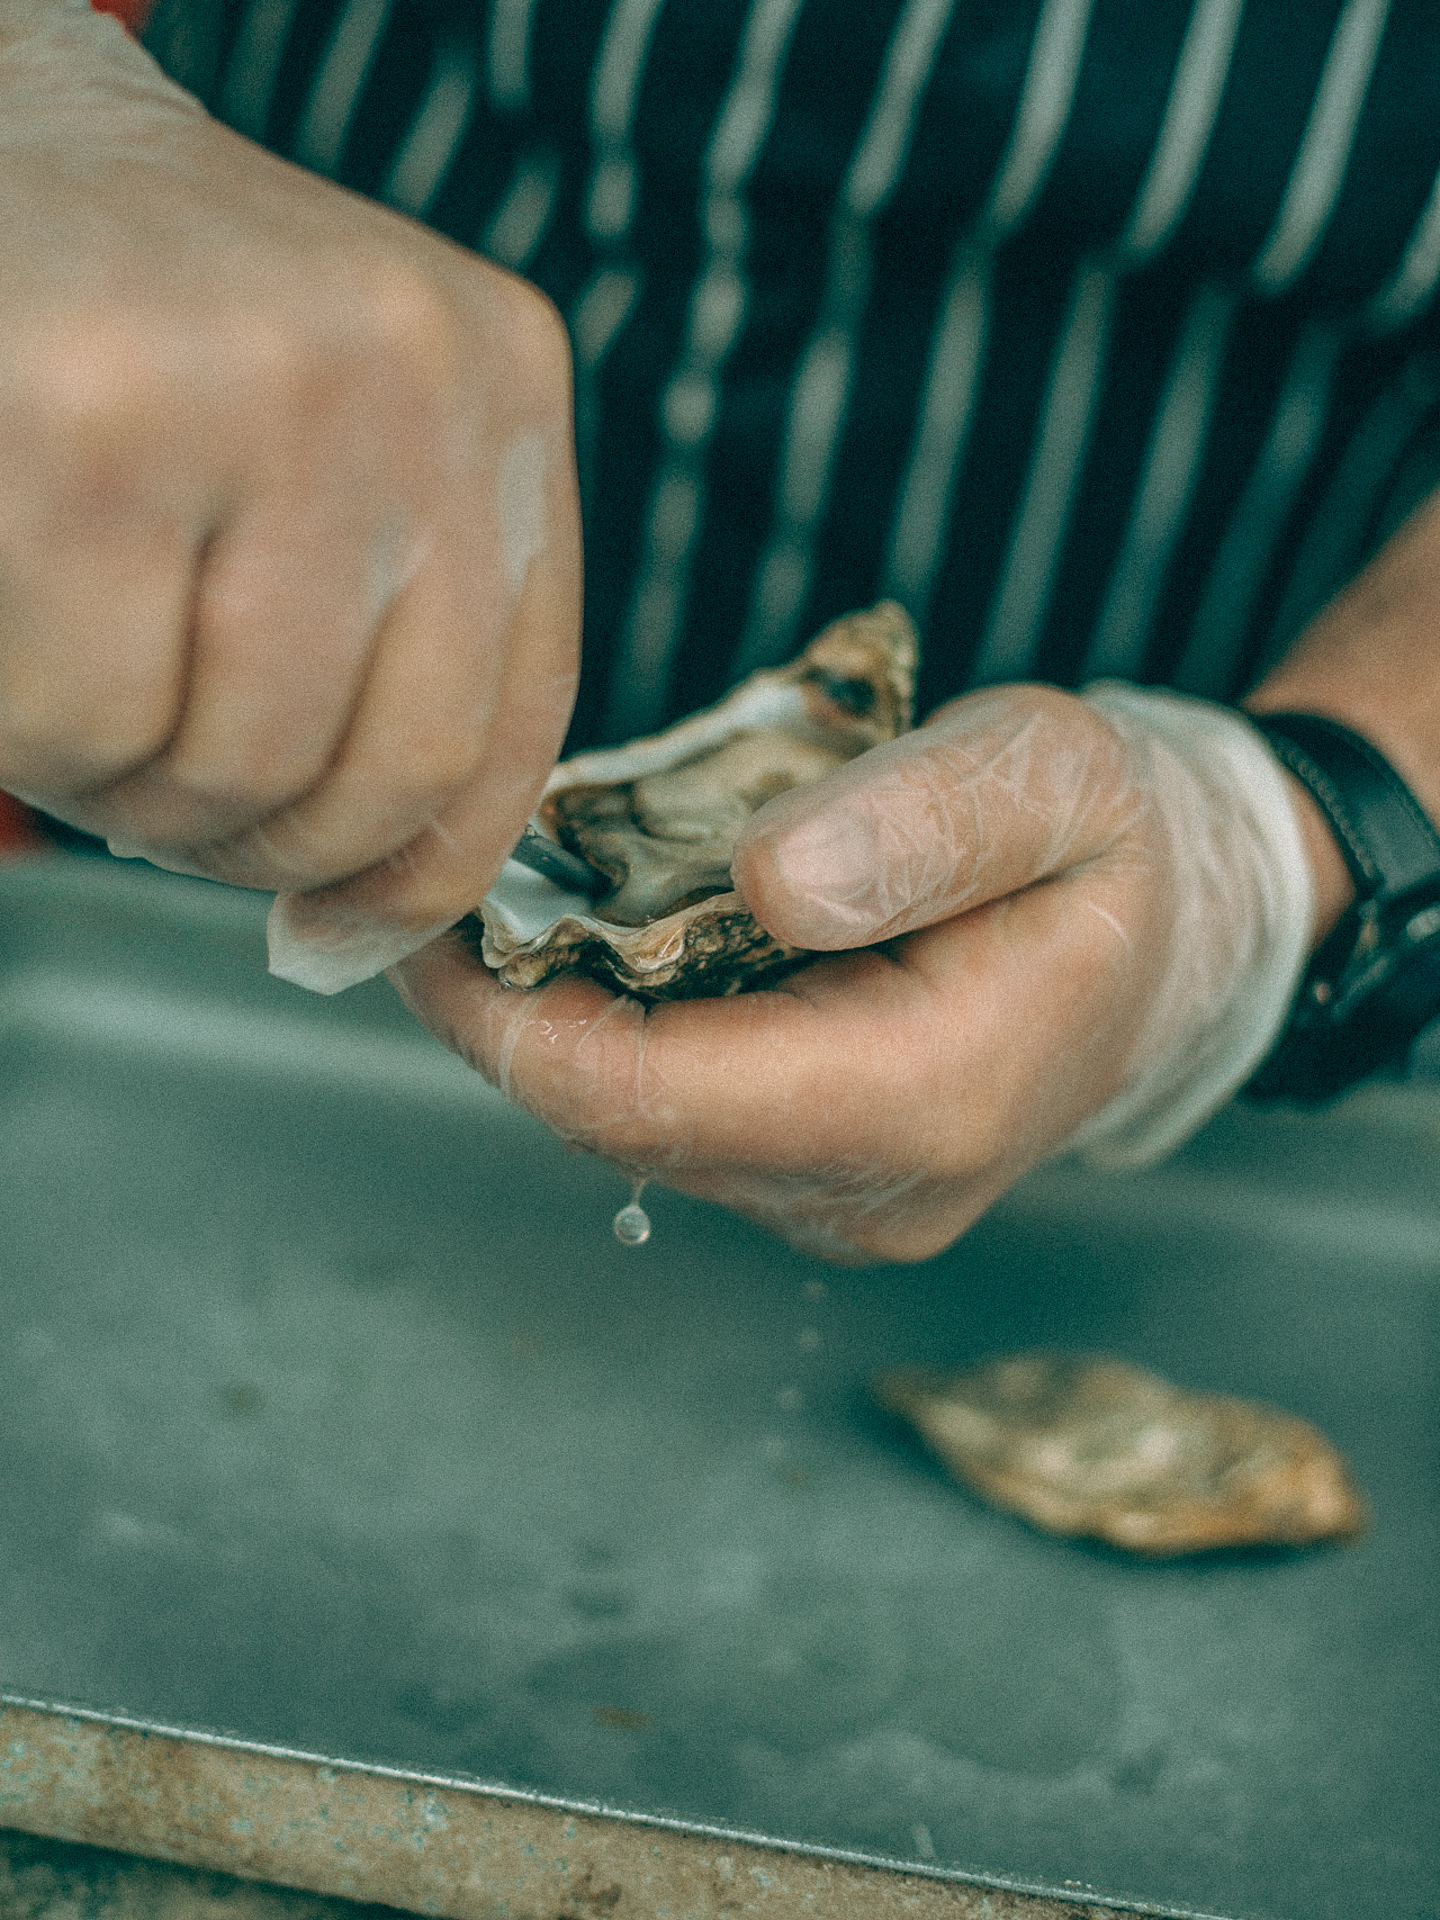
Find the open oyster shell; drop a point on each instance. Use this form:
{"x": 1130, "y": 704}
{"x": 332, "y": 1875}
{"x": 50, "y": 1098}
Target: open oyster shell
{"x": 660, "y": 817}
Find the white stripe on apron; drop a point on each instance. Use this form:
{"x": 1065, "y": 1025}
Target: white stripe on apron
{"x": 952, "y": 379}
{"x": 1413, "y": 281}
{"x": 254, "y": 65}
{"x": 1325, "y": 146}
{"x": 1190, "y": 114}
{"x": 519, "y": 221}
{"x": 816, "y": 409}
{"x": 604, "y": 303}
{"x": 1023, "y": 592}
{"x": 690, "y": 397}
{"x": 1215, "y": 648}
{"x": 508, "y": 55}
{"x": 320, "y": 137}
{"x": 1162, "y": 497}
{"x": 424, "y": 156}
{"x": 1333, "y": 545}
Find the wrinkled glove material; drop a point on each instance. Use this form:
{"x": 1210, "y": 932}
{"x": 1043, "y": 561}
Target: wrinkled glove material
{"x": 1243, "y": 908}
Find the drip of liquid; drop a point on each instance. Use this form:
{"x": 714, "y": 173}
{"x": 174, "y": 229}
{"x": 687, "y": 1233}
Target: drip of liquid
{"x": 632, "y": 1223}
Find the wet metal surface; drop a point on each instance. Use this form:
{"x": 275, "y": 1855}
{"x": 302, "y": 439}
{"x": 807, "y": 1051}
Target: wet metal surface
{"x": 322, "y": 1423}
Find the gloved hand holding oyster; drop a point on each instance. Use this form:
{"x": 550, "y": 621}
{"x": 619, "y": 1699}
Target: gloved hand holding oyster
{"x": 1039, "y": 922}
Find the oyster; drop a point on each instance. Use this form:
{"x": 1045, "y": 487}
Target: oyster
{"x": 659, "y": 817}
{"x": 1100, "y": 1448}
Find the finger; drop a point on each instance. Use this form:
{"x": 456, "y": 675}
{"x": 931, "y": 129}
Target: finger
{"x": 681, "y": 1094}
{"x": 288, "y": 606}
{"x": 850, "y": 1216}
{"x": 88, "y": 546}
{"x": 876, "y": 1105}
{"x": 334, "y": 937}
{"x": 265, "y": 561}
{"x": 645, "y": 1088}
{"x": 330, "y": 937}
{"x": 999, "y": 790}
{"x": 418, "y": 728}
{"x": 73, "y": 716}
{"x": 461, "y": 653}
{"x": 785, "y": 1080}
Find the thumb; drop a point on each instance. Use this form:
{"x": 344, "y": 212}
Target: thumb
{"x": 994, "y": 792}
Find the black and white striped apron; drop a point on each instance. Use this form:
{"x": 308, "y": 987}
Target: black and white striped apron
{"x": 1101, "y": 333}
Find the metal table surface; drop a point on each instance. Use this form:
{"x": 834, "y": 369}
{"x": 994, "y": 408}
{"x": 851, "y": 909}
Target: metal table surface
{"x": 332, "y": 1416}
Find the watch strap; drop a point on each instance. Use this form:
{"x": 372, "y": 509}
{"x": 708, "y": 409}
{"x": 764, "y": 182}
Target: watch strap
{"x": 1387, "y": 842}
{"x": 1374, "y": 984}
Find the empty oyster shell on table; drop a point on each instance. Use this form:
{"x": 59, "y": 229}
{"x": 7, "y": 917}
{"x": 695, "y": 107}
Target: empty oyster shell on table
{"x": 1100, "y": 1448}
{"x": 660, "y": 816}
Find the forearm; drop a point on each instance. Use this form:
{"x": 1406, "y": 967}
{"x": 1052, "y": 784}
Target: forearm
{"x": 1371, "y": 660}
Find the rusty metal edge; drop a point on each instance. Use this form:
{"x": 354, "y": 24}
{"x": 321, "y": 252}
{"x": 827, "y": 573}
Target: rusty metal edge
{"x": 451, "y": 1846}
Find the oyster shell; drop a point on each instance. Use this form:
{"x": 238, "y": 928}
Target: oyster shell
{"x": 1100, "y": 1448}
{"x": 659, "y": 817}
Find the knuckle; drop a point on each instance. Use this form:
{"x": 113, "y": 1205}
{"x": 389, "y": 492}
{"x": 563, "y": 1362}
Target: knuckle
{"x": 866, "y": 1236}
{"x": 373, "y": 332}
{"x": 31, "y": 722}
{"x": 408, "y": 314}
{"x": 903, "y": 1241}
{"x": 586, "y": 1109}
{"x": 243, "y": 788}
{"x": 92, "y": 403}
{"x": 34, "y": 747}
{"x": 436, "y": 764}
{"x": 539, "y": 369}
{"x": 94, "y": 370}
{"x": 53, "y": 745}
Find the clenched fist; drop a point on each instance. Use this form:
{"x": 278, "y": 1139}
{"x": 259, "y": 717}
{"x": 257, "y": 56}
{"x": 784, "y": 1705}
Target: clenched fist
{"x": 289, "y": 548}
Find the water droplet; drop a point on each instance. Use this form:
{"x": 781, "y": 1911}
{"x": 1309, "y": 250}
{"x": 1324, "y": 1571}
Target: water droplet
{"x": 632, "y": 1225}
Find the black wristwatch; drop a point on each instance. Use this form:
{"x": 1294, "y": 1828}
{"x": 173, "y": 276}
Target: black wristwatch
{"x": 1374, "y": 984}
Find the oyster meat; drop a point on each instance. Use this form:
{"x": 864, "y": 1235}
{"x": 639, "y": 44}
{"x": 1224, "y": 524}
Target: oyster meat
{"x": 659, "y": 817}
{"x": 1100, "y": 1448}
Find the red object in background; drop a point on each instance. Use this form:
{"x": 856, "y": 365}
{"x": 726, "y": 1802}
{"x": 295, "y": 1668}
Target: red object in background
{"x": 18, "y": 833}
{"x": 130, "y": 13}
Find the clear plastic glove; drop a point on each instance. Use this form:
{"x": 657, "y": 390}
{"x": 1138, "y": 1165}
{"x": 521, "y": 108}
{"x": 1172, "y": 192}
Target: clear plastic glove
{"x": 1050, "y": 922}
{"x": 289, "y": 554}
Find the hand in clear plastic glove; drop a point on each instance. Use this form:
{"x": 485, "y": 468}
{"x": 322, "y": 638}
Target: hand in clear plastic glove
{"x": 1049, "y": 922}
{"x": 289, "y": 554}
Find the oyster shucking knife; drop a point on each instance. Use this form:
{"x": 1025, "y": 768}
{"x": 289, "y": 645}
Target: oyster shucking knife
{"x": 568, "y": 870}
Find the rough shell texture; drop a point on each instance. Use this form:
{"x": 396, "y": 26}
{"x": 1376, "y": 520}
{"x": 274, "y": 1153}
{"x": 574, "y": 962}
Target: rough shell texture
{"x": 660, "y": 818}
{"x": 1101, "y": 1448}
